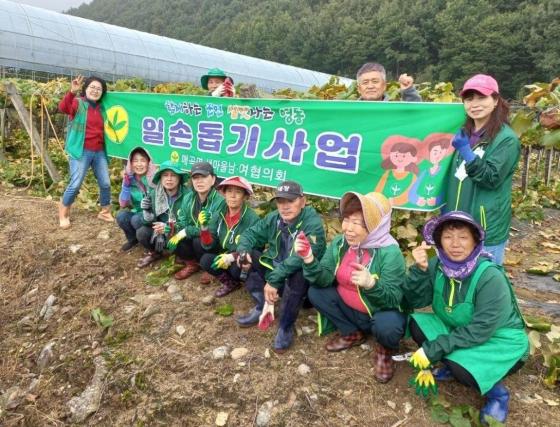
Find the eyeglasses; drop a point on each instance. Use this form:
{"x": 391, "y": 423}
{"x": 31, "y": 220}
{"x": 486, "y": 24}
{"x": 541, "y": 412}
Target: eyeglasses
{"x": 95, "y": 89}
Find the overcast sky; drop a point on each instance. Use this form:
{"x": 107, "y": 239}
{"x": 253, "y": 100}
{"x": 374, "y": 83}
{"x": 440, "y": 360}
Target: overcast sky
{"x": 57, "y": 5}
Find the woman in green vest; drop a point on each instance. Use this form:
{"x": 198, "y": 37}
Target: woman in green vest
{"x": 486, "y": 155}
{"x": 85, "y": 144}
{"x": 476, "y": 329}
{"x": 220, "y": 238}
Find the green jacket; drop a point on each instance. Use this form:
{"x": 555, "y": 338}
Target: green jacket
{"x": 266, "y": 232}
{"x": 214, "y": 204}
{"x": 493, "y": 306}
{"x": 486, "y": 192}
{"x": 224, "y": 238}
{"x": 76, "y": 134}
{"x": 387, "y": 263}
{"x": 175, "y": 207}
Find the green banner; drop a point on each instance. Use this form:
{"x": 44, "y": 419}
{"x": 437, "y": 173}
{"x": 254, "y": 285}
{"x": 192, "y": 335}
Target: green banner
{"x": 400, "y": 149}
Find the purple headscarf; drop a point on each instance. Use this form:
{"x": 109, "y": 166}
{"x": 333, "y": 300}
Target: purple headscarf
{"x": 453, "y": 269}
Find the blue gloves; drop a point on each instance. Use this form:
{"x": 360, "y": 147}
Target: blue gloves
{"x": 461, "y": 143}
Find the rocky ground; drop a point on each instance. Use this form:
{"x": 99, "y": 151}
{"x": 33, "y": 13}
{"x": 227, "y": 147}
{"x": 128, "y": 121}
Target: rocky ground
{"x": 169, "y": 359}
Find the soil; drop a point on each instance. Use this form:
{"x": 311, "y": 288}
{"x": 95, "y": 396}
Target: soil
{"x": 157, "y": 377}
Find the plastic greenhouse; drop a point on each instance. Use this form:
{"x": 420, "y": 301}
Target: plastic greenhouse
{"x": 41, "y": 40}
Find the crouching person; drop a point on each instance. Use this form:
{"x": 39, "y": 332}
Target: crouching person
{"x": 198, "y": 207}
{"x": 223, "y": 233}
{"x": 277, "y": 271}
{"x": 137, "y": 179}
{"x": 159, "y": 211}
{"x": 357, "y": 285}
{"x": 476, "y": 329}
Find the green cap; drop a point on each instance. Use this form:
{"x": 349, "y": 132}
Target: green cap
{"x": 170, "y": 166}
{"x": 214, "y": 72}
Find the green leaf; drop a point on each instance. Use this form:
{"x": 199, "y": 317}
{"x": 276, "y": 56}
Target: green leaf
{"x": 492, "y": 422}
{"x": 537, "y": 323}
{"x": 456, "y": 418}
{"x": 552, "y": 138}
{"x": 119, "y": 125}
{"x": 522, "y": 121}
{"x": 439, "y": 414}
{"x": 225, "y": 310}
{"x": 115, "y": 117}
{"x": 534, "y": 341}
{"x": 103, "y": 320}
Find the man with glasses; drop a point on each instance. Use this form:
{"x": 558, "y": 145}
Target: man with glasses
{"x": 372, "y": 83}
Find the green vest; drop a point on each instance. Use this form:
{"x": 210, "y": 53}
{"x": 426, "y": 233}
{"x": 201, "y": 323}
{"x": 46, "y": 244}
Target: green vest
{"x": 489, "y": 362}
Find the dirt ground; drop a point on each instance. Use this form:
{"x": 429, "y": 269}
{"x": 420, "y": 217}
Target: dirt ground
{"x": 158, "y": 377}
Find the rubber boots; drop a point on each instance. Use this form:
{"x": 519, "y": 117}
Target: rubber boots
{"x": 252, "y": 318}
{"x": 497, "y": 404}
{"x": 383, "y": 363}
{"x": 228, "y": 285}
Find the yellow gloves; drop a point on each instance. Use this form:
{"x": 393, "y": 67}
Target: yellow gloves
{"x": 174, "y": 241}
{"x": 203, "y": 218}
{"x": 419, "y": 359}
{"x": 424, "y": 381}
{"x": 223, "y": 261}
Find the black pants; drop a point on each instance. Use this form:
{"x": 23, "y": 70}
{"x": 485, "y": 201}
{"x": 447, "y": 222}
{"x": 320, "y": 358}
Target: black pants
{"x": 189, "y": 249}
{"x": 460, "y": 373}
{"x": 144, "y": 235}
{"x": 206, "y": 262}
{"x": 387, "y": 327}
{"x": 293, "y": 292}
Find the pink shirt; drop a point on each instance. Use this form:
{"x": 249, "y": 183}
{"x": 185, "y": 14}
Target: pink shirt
{"x": 346, "y": 289}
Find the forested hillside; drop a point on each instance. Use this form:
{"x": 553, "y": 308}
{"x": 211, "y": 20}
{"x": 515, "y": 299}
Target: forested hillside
{"x": 437, "y": 40}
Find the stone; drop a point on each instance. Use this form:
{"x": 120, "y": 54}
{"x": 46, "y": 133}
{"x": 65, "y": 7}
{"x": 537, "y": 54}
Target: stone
{"x": 25, "y": 324}
{"x": 238, "y": 353}
{"x": 104, "y": 235}
{"x": 12, "y": 398}
{"x": 88, "y": 401}
{"x": 267, "y": 353}
{"x": 303, "y": 369}
{"x": 180, "y": 330}
{"x": 75, "y": 248}
{"x": 150, "y": 311}
{"x": 208, "y": 300}
{"x": 264, "y": 414}
{"x": 46, "y": 356}
{"x": 173, "y": 289}
{"x": 236, "y": 377}
{"x": 221, "y": 419}
{"x": 407, "y": 408}
{"x": 391, "y": 404}
{"x": 48, "y": 309}
{"x": 220, "y": 352}
{"x": 307, "y": 330}
{"x": 365, "y": 347}
{"x": 177, "y": 297}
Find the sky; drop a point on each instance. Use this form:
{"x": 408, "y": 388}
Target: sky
{"x": 56, "y": 5}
